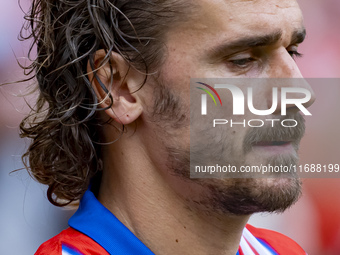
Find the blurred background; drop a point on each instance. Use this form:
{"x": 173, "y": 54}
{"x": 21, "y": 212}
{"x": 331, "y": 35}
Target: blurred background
{"x": 27, "y": 219}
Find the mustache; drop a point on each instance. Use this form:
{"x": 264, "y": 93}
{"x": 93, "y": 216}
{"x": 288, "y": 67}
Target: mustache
{"x": 278, "y": 133}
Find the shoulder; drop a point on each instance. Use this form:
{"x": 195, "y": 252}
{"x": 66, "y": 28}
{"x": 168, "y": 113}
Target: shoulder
{"x": 72, "y": 242}
{"x": 279, "y": 242}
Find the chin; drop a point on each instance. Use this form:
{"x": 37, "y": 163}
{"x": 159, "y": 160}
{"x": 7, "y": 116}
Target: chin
{"x": 248, "y": 196}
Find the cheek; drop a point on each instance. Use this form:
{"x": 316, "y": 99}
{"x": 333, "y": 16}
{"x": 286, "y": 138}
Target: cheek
{"x": 182, "y": 63}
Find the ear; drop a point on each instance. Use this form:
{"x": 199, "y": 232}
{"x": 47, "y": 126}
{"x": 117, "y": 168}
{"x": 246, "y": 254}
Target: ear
{"x": 114, "y": 82}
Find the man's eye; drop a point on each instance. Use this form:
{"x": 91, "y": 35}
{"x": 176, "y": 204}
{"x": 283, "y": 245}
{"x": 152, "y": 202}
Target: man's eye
{"x": 242, "y": 62}
{"x": 294, "y": 54}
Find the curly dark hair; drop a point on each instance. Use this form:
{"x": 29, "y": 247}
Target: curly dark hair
{"x": 63, "y": 125}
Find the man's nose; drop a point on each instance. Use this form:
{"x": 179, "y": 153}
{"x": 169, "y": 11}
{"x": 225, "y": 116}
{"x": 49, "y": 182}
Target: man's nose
{"x": 284, "y": 66}
{"x": 291, "y": 84}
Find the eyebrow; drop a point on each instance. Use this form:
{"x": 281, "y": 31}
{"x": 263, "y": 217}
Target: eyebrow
{"x": 247, "y": 42}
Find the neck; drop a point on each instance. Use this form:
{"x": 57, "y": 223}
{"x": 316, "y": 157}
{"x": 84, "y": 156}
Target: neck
{"x": 158, "y": 213}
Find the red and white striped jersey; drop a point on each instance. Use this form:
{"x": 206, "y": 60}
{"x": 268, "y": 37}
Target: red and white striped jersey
{"x": 94, "y": 230}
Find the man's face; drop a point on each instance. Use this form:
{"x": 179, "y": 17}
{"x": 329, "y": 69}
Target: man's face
{"x": 228, "y": 39}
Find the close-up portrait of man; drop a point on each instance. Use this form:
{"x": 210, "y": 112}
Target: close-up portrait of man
{"x": 114, "y": 131}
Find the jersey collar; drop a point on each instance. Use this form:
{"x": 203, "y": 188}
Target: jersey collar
{"x": 97, "y": 222}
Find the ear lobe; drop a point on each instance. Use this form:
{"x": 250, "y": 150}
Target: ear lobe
{"x": 123, "y": 111}
{"x": 113, "y": 82}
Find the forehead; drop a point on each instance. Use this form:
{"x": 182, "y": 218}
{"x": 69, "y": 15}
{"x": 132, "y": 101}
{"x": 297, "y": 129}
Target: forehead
{"x": 226, "y": 19}
{"x": 247, "y": 12}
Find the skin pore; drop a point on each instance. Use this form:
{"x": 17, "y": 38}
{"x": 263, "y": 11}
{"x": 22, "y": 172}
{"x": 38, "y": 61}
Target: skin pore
{"x": 144, "y": 182}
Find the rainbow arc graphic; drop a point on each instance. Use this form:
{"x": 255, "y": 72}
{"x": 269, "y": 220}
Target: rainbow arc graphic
{"x": 204, "y": 97}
